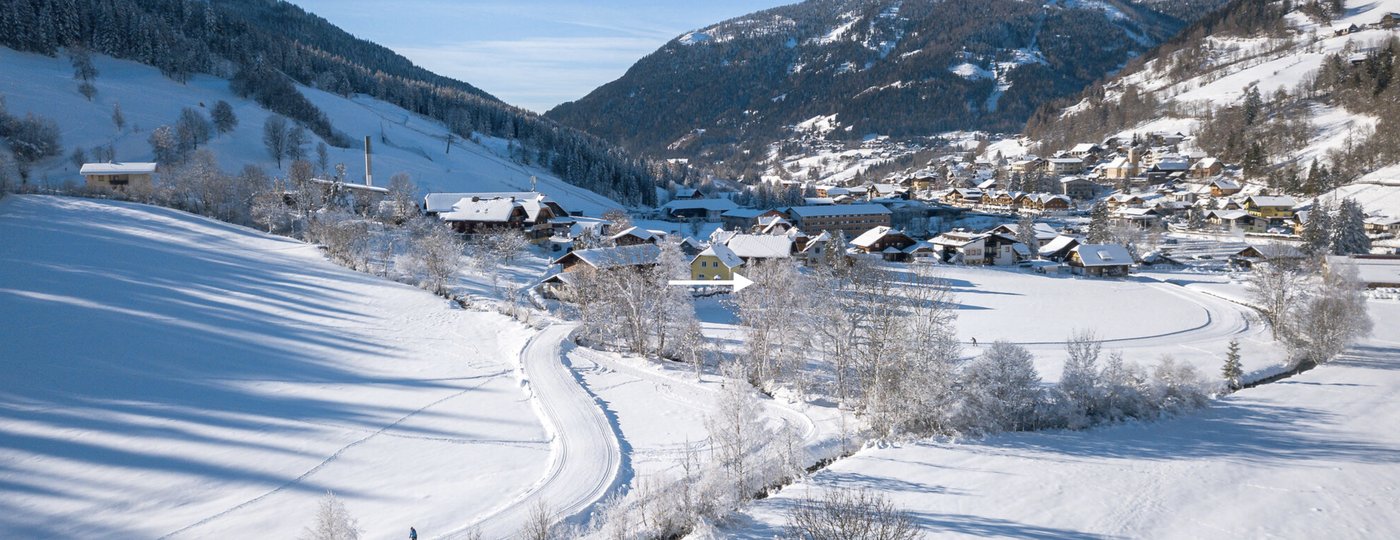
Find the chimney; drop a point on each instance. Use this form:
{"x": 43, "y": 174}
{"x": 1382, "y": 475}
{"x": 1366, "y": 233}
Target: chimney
{"x": 369, "y": 175}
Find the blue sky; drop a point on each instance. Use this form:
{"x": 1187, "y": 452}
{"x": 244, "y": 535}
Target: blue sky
{"x": 530, "y": 53}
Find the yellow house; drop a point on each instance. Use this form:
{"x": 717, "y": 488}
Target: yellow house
{"x": 119, "y": 176}
{"x": 1270, "y": 207}
{"x": 717, "y": 262}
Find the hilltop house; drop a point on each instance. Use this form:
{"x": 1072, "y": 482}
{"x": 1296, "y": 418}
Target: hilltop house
{"x": 119, "y": 176}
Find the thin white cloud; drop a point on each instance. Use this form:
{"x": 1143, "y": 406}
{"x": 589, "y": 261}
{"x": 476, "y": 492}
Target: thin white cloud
{"x": 536, "y": 73}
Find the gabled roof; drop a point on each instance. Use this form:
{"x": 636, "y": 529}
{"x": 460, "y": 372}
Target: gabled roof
{"x": 609, "y": 257}
{"x": 350, "y": 185}
{"x": 956, "y": 239}
{"x": 1043, "y": 231}
{"x": 870, "y": 237}
{"x": 1103, "y": 255}
{"x": 1225, "y": 183}
{"x": 1260, "y": 200}
{"x": 117, "y": 168}
{"x": 486, "y": 210}
{"x": 726, "y": 256}
{"x": 760, "y": 246}
{"x": 838, "y": 210}
{"x": 1060, "y": 243}
{"x": 644, "y": 234}
{"x": 443, "y": 202}
{"x": 720, "y": 205}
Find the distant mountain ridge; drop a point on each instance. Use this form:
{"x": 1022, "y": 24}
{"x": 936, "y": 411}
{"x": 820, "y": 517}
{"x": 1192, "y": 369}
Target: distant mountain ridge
{"x": 890, "y": 67}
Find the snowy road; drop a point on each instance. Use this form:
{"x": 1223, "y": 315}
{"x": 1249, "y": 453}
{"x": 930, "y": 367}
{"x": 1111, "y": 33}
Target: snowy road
{"x": 585, "y": 456}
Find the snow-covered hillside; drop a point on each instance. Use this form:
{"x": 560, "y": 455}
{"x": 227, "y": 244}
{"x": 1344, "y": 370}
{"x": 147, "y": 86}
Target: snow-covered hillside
{"x": 1314, "y": 456}
{"x": 403, "y": 141}
{"x": 169, "y": 375}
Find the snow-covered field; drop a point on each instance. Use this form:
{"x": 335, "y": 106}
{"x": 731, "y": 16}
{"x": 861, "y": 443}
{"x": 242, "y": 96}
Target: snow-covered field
{"x": 403, "y": 141}
{"x": 1314, "y": 456}
{"x": 169, "y": 375}
{"x": 1145, "y": 317}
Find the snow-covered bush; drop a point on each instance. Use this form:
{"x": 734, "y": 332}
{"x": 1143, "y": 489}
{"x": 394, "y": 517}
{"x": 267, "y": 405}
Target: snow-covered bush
{"x": 850, "y": 515}
{"x": 1000, "y": 391}
{"x": 333, "y": 522}
{"x": 1177, "y": 386}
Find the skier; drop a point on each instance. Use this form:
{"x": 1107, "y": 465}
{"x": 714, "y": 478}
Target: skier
{"x": 974, "y": 342}
{"x": 412, "y": 533}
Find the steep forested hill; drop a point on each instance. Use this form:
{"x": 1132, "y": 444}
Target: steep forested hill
{"x": 267, "y": 46}
{"x": 892, "y": 67}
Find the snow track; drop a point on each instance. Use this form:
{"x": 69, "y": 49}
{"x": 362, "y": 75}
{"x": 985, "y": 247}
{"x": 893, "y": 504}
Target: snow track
{"x": 585, "y": 452}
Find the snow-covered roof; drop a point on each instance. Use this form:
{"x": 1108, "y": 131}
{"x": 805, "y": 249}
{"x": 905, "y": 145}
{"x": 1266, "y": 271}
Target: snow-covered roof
{"x": 868, "y": 238}
{"x": 760, "y": 246}
{"x": 726, "y": 256}
{"x": 1060, "y": 243}
{"x": 349, "y": 185}
{"x": 487, "y": 210}
{"x": 608, "y": 257}
{"x": 644, "y": 234}
{"x": 443, "y": 202}
{"x": 1225, "y": 183}
{"x": 117, "y": 168}
{"x": 745, "y": 213}
{"x": 1259, "y": 200}
{"x": 1103, "y": 255}
{"x": 701, "y": 204}
{"x": 956, "y": 239}
{"x": 838, "y": 210}
{"x": 1043, "y": 231}
{"x": 1066, "y": 161}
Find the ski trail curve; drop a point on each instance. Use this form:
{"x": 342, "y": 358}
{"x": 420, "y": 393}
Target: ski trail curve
{"x": 585, "y": 455}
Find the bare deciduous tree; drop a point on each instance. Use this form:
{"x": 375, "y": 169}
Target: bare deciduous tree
{"x": 333, "y": 522}
{"x": 850, "y": 515}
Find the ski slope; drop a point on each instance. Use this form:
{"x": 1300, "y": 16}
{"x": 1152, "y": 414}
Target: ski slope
{"x": 1314, "y": 456}
{"x": 170, "y": 376}
{"x": 402, "y": 141}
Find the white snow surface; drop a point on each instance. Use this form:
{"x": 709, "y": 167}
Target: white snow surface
{"x": 1317, "y": 455}
{"x": 410, "y": 143}
{"x": 173, "y": 376}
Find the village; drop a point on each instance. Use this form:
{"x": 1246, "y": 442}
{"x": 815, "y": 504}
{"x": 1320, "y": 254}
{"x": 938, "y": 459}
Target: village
{"x": 1099, "y": 210}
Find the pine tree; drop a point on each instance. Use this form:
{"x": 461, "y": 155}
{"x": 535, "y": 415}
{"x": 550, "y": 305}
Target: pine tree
{"x": 1317, "y": 230}
{"x": 1099, "y": 230}
{"x": 1025, "y": 233}
{"x": 1232, "y": 371}
{"x": 1349, "y": 230}
{"x": 1253, "y": 104}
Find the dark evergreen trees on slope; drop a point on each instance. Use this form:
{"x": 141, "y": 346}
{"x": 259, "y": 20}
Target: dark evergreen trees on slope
{"x": 1349, "y": 229}
{"x": 224, "y": 118}
{"x": 883, "y": 66}
{"x": 268, "y": 45}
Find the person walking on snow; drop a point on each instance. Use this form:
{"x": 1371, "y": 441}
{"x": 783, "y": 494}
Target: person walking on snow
{"x": 412, "y": 533}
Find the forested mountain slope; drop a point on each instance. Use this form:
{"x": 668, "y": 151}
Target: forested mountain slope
{"x": 269, "y": 47}
{"x": 892, "y": 67}
{"x": 1299, "y": 93}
